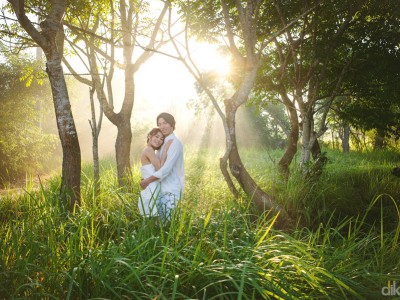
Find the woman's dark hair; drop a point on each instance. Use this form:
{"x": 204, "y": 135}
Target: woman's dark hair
{"x": 168, "y": 118}
{"x": 153, "y": 132}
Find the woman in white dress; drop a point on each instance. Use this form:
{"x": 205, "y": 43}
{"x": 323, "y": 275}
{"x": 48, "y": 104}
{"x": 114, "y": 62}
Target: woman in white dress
{"x": 150, "y": 164}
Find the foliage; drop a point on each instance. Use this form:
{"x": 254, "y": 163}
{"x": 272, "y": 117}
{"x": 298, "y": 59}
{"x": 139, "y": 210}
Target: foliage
{"x": 207, "y": 23}
{"x": 367, "y": 50}
{"x": 372, "y": 83}
{"x": 24, "y": 147}
{"x": 347, "y": 186}
{"x": 214, "y": 248}
{"x": 219, "y": 87}
{"x": 270, "y": 119}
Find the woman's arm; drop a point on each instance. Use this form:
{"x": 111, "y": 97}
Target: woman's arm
{"x": 152, "y": 157}
{"x": 164, "y": 153}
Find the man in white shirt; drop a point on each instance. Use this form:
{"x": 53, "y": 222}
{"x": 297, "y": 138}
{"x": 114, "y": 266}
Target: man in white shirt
{"x": 171, "y": 174}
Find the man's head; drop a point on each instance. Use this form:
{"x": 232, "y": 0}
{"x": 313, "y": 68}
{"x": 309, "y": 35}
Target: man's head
{"x": 166, "y": 123}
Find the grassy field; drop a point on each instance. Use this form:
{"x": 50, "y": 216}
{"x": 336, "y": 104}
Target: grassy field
{"x": 347, "y": 246}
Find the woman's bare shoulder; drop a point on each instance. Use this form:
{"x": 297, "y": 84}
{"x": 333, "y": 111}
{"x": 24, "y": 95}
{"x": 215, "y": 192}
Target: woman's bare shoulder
{"x": 148, "y": 149}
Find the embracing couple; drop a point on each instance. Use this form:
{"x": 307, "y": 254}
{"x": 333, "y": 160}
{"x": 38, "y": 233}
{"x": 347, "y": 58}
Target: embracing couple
{"x": 163, "y": 177}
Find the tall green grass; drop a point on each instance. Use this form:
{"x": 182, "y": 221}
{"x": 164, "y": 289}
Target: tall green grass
{"x": 214, "y": 247}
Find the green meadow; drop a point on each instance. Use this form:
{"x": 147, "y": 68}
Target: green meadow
{"x": 345, "y": 244}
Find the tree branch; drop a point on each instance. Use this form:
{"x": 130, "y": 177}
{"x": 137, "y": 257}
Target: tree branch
{"x": 19, "y": 9}
{"x": 146, "y": 55}
{"x": 228, "y": 26}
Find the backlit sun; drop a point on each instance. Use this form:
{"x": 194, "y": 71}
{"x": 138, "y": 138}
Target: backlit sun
{"x": 163, "y": 81}
{"x": 207, "y": 58}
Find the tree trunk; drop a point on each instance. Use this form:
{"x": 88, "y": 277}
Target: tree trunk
{"x": 293, "y": 138}
{"x": 310, "y": 148}
{"x": 346, "y": 138}
{"x": 122, "y": 119}
{"x": 305, "y": 142}
{"x": 96, "y": 165}
{"x": 379, "y": 140}
{"x": 95, "y": 141}
{"x": 71, "y": 165}
{"x": 316, "y": 150}
{"x": 320, "y": 158}
{"x": 262, "y": 201}
{"x": 124, "y": 136}
{"x": 123, "y": 149}
{"x": 50, "y": 39}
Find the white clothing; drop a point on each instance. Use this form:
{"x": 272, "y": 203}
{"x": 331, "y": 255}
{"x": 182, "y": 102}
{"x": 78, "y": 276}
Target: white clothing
{"x": 148, "y": 196}
{"x": 172, "y": 174}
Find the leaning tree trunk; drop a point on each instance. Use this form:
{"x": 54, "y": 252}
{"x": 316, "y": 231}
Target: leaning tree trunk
{"x": 262, "y": 201}
{"x": 293, "y": 138}
{"x": 290, "y": 152}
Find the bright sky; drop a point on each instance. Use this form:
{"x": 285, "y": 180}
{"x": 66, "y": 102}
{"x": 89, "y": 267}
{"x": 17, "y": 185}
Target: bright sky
{"x": 163, "y": 81}
{"x": 161, "y": 84}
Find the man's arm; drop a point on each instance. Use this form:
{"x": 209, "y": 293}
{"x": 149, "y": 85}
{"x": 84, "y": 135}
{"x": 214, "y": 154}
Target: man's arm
{"x": 164, "y": 153}
{"x": 145, "y": 182}
{"x": 174, "y": 152}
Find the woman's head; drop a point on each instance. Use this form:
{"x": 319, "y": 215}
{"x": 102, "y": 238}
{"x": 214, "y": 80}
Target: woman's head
{"x": 155, "y": 138}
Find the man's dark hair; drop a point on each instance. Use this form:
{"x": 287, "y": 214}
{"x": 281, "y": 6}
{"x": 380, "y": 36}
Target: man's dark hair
{"x": 168, "y": 118}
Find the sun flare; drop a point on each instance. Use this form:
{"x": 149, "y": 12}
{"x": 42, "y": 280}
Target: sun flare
{"x": 207, "y": 58}
{"x": 164, "y": 81}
